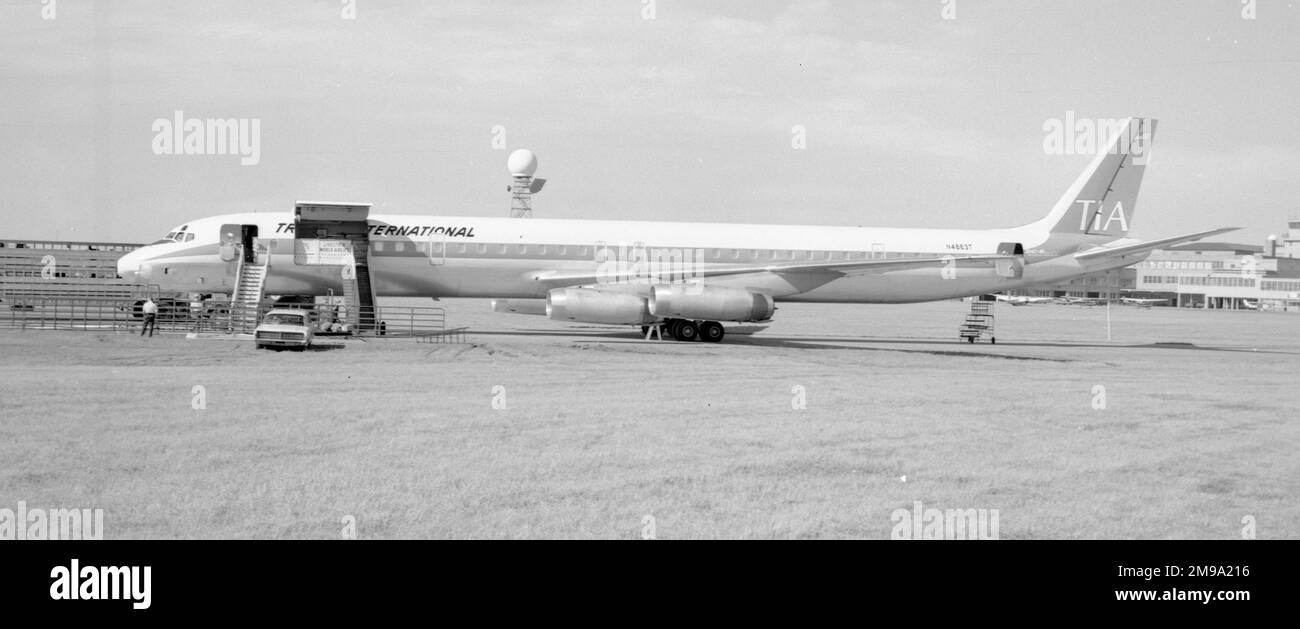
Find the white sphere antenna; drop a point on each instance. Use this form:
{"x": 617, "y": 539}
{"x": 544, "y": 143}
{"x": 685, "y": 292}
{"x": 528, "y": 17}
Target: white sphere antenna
{"x": 522, "y": 163}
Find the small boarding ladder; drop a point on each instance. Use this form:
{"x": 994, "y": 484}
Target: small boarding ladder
{"x": 978, "y": 323}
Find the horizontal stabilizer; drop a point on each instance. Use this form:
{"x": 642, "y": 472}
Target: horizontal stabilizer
{"x": 1105, "y": 253}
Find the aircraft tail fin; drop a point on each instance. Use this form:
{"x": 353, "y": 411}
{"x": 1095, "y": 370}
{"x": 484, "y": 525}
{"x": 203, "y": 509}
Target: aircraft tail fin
{"x": 1102, "y": 200}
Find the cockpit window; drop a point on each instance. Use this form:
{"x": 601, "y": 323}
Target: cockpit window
{"x": 177, "y": 235}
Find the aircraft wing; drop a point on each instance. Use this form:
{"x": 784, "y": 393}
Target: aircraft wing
{"x": 1101, "y": 253}
{"x": 835, "y": 268}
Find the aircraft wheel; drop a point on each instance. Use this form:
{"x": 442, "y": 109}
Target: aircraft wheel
{"x": 670, "y": 326}
{"x": 686, "y": 331}
{"x": 993, "y": 340}
{"x": 712, "y": 331}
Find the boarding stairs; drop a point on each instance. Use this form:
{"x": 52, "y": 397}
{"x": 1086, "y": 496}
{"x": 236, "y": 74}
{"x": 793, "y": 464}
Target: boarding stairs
{"x": 978, "y": 323}
{"x": 246, "y": 300}
{"x": 359, "y": 292}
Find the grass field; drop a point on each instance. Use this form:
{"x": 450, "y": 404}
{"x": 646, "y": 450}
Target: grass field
{"x": 1198, "y": 428}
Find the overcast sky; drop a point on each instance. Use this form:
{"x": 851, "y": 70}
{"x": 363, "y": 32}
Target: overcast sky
{"x": 911, "y": 119}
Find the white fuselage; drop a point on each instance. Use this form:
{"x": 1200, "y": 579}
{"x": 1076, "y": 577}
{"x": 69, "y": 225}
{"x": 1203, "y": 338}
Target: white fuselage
{"x": 434, "y": 256}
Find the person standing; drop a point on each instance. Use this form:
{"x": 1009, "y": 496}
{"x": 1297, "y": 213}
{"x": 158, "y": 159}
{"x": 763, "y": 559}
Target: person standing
{"x": 150, "y": 310}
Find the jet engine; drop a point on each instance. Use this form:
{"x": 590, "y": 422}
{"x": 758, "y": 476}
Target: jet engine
{"x": 688, "y": 301}
{"x": 597, "y": 306}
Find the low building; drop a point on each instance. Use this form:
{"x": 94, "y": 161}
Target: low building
{"x": 62, "y": 269}
{"x": 1212, "y": 275}
{"x": 1208, "y": 275}
{"x": 1218, "y": 275}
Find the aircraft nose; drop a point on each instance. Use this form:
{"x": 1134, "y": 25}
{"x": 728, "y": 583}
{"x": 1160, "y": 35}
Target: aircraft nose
{"x": 129, "y": 267}
{"x": 125, "y": 268}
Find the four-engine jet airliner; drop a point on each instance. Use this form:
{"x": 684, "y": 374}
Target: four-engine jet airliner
{"x": 690, "y": 277}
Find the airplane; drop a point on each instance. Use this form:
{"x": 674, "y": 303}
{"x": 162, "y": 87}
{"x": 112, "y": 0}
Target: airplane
{"x": 1078, "y": 301}
{"x": 1143, "y": 303}
{"x": 1017, "y": 300}
{"x": 689, "y": 278}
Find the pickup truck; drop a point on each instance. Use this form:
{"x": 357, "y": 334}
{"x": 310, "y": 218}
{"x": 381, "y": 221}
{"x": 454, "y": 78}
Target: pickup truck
{"x": 284, "y": 327}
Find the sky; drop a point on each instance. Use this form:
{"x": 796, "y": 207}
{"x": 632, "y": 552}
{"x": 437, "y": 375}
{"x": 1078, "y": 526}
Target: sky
{"x": 927, "y": 113}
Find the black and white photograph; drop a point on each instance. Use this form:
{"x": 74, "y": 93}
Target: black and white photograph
{"x": 649, "y": 270}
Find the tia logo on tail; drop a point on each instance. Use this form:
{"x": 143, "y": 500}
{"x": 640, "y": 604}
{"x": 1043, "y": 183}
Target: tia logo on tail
{"x": 1116, "y": 215}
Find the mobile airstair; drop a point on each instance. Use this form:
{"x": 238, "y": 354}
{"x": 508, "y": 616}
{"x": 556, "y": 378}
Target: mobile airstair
{"x": 979, "y": 322}
{"x": 247, "y": 297}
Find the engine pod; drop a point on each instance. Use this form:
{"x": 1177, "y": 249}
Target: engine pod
{"x": 692, "y": 301}
{"x": 589, "y": 305}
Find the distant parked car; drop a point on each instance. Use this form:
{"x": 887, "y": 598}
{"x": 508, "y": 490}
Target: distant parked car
{"x": 284, "y": 327}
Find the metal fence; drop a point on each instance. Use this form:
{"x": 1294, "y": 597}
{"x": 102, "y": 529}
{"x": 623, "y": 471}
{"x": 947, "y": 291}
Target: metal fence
{"x": 213, "y": 316}
{"x": 21, "y": 290}
{"x": 48, "y": 313}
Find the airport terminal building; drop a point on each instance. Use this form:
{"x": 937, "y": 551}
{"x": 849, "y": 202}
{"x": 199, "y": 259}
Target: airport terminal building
{"x": 1211, "y": 275}
{"x": 1227, "y": 275}
{"x": 1221, "y": 275}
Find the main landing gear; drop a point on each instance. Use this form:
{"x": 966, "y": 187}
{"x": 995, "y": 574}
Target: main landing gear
{"x": 687, "y": 330}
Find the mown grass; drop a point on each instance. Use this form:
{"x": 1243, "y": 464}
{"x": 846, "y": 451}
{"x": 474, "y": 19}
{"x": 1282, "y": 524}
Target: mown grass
{"x": 600, "y": 430}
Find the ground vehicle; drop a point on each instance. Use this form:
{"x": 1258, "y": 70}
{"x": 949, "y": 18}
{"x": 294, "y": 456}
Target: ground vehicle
{"x": 284, "y": 327}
